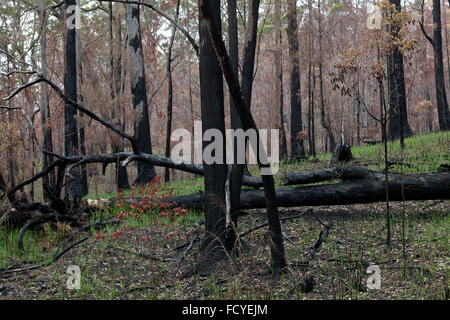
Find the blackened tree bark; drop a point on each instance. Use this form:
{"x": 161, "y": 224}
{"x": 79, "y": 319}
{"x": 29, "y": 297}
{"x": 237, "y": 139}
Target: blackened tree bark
{"x": 73, "y": 186}
{"x": 233, "y": 40}
{"x": 237, "y": 169}
{"x": 170, "y": 91}
{"x": 447, "y": 43}
{"x": 284, "y": 150}
{"x": 139, "y": 92}
{"x": 213, "y": 26}
{"x": 358, "y": 119}
{"x": 311, "y": 120}
{"x": 363, "y": 189}
{"x": 441, "y": 95}
{"x": 82, "y": 137}
{"x": 398, "y": 116}
{"x": 11, "y": 162}
{"x": 248, "y": 65}
{"x": 297, "y": 147}
{"x": 247, "y": 84}
{"x": 116, "y": 85}
{"x": 119, "y": 80}
{"x": 212, "y": 109}
{"x": 325, "y": 120}
{"x": 311, "y": 86}
{"x": 49, "y": 180}
{"x": 278, "y": 113}
{"x": 358, "y": 185}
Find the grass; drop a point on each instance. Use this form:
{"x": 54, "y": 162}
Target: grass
{"x": 113, "y": 269}
{"x": 110, "y": 269}
{"x": 422, "y": 154}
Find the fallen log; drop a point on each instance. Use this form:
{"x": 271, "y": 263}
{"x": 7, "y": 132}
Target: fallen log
{"x": 369, "y": 188}
{"x": 184, "y": 166}
{"x": 373, "y": 142}
{"x": 343, "y": 173}
{"x": 125, "y": 158}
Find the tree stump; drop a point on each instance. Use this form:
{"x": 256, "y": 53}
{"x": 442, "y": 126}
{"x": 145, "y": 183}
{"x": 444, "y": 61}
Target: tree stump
{"x": 342, "y": 154}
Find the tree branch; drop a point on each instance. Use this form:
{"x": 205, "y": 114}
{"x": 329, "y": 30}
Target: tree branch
{"x": 76, "y": 106}
{"x": 164, "y": 15}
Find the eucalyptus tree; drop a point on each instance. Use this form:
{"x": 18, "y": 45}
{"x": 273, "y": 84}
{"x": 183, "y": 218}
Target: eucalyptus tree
{"x": 146, "y": 172}
{"x": 297, "y": 147}
{"x": 212, "y": 110}
{"x": 398, "y": 115}
{"x": 49, "y": 180}
{"x": 74, "y": 187}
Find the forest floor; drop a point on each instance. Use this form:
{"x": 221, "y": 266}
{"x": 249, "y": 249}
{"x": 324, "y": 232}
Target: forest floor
{"x": 145, "y": 260}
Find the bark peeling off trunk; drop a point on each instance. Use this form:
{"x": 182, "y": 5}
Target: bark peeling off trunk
{"x": 139, "y": 92}
{"x": 73, "y": 187}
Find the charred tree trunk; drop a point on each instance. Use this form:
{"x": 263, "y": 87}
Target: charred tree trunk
{"x": 358, "y": 186}
{"x": 447, "y": 43}
{"x": 284, "y": 150}
{"x": 398, "y": 116}
{"x": 82, "y": 136}
{"x": 278, "y": 110}
{"x": 367, "y": 190}
{"x": 297, "y": 147}
{"x": 213, "y": 27}
{"x": 212, "y": 107}
{"x": 247, "y": 82}
{"x": 341, "y": 154}
{"x": 441, "y": 95}
{"x": 237, "y": 168}
{"x": 11, "y": 162}
{"x": 170, "y": 91}
{"x": 119, "y": 84}
{"x": 3, "y": 188}
{"x": 311, "y": 88}
{"x": 74, "y": 187}
{"x": 248, "y": 64}
{"x": 116, "y": 93}
{"x": 358, "y": 123}
{"x": 47, "y": 143}
{"x": 146, "y": 172}
{"x": 325, "y": 120}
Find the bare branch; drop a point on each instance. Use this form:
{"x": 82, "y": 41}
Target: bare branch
{"x": 76, "y": 106}
{"x": 422, "y": 22}
{"x": 16, "y": 71}
{"x": 164, "y": 15}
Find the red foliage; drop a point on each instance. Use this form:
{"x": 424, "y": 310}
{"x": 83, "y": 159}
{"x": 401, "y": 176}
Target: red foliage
{"x": 148, "y": 199}
{"x": 144, "y": 200}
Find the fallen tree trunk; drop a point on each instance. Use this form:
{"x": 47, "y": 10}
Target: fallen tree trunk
{"x": 369, "y": 187}
{"x": 368, "y": 190}
{"x": 342, "y": 173}
{"x": 184, "y": 166}
{"x": 126, "y": 157}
